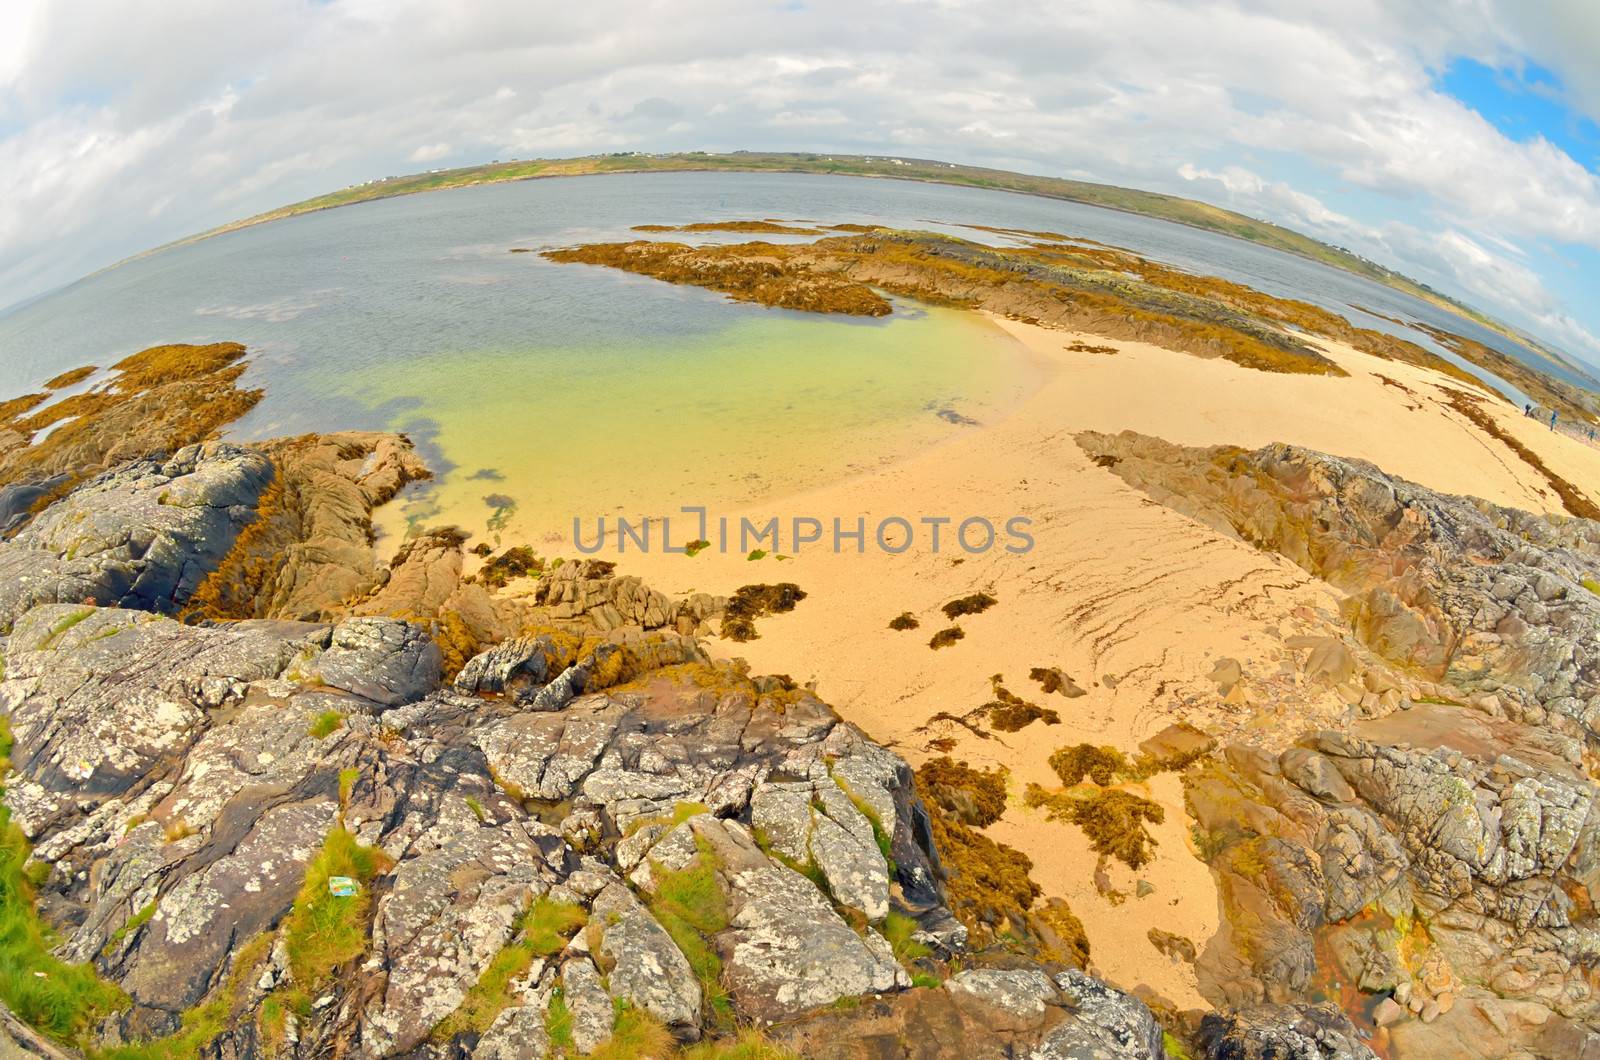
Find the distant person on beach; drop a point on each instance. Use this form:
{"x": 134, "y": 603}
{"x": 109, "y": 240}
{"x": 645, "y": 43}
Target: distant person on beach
{"x": 1552, "y": 419}
{"x": 1527, "y": 410}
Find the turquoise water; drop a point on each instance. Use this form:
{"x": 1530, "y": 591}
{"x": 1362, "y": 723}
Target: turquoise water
{"x": 410, "y": 313}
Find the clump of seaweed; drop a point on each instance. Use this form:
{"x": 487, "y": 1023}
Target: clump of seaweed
{"x": 159, "y": 400}
{"x": 1061, "y": 933}
{"x": 1084, "y": 347}
{"x": 760, "y": 227}
{"x": 989, "y": 889}
{"x": 71, "y": 377}
{"x": 1053, "y": 679}
{"x": 750, "y": 602}
{"x": 518, "y": 561}
{"x": 945, "y": 637}
{"x": 1009, "y": 712}
{"x": 988, "y": 885}
{"x": 1113, "y": 820}
{"x": 1099, "y": 764}
{"x": 974, "y": 796}
{"x": 974, "y": 604}
{"x": 903, "y": 621}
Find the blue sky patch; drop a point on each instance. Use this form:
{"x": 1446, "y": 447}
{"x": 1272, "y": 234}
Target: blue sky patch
{"x": 1523, "y": 104}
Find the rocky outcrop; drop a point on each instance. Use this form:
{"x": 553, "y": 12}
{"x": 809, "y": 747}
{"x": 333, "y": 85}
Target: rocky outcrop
{"x": 309, "y": 549}
{"x": 180, "y": 782}
{"x": 144, "y": 535}
{"x": 1436, "y": 858}
{"x": 154, "y": 402}
{"x": 1489, "y": 600}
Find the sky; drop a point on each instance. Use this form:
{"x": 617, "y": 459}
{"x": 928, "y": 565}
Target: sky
{"x": 1454, "y": 140}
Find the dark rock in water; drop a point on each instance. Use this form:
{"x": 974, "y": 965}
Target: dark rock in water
{"x": 950, "y": 415}
{"x": 17, "y": 500}
{"x": 143, "y": 535}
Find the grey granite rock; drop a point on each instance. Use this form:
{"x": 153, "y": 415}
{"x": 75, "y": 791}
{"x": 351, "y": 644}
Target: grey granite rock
{"x": 381, "y": 659}
{"x": 143, "y": 535}
{"x": 648, "y": 970}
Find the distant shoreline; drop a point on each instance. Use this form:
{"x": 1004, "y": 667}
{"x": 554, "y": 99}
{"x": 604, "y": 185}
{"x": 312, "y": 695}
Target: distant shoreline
{"x": 1190, "y": 213}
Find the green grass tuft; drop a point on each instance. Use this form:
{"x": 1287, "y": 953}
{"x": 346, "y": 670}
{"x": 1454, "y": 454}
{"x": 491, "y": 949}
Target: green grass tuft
{"x": 347, "y": 783}
{"x": 898, "y": 929}
{"x": 636, "y": 1035}
{"x": 327, "y": 723}
{"x": 690, "y": 905}
{"x": 323, "y": 932}
{"x": 558, "y": 1025}
{"x": 544, "y": 931}
{"x": 62, "y": 625}
{"x": 134, "y": 923}
{"x": 749, "y": 1044}
{"x": 57, "y": 999}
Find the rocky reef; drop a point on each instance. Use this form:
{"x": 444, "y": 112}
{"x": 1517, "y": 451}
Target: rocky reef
{"x": 1038, "y": 277}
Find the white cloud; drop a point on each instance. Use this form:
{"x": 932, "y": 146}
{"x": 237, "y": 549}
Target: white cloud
{"x": 429, "y": 153}
{"x": 118, "y": 133}
{"x": 1297, "y": 209}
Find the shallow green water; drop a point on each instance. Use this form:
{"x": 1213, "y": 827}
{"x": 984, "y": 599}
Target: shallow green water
{"x": 764, "y": 406}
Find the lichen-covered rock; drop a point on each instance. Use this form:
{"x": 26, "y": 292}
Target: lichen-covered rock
{"x": 450, "y": 908}
{"x": 382, "y": 659}
{"x": 518, "y": 1033}
{"x": 1105, "y": 1023}
{"x": 1283, "y": 1032}
{"x": 647, "y": 969}
{"x": 182, "y": 779}
{"x": 495, "y": 670}
{"x": 593, "y": 1014}
{"x": 143, "y": 535}
{"x": 97, "y": 697}
{"x": 815, "y": 822}
{"x": 1023, "y": 992}
{"x": 224, "y": 895}
{"x": 786, "y": 950}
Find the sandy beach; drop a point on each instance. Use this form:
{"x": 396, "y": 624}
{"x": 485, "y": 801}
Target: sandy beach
{"x": 1132, "y": 600}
